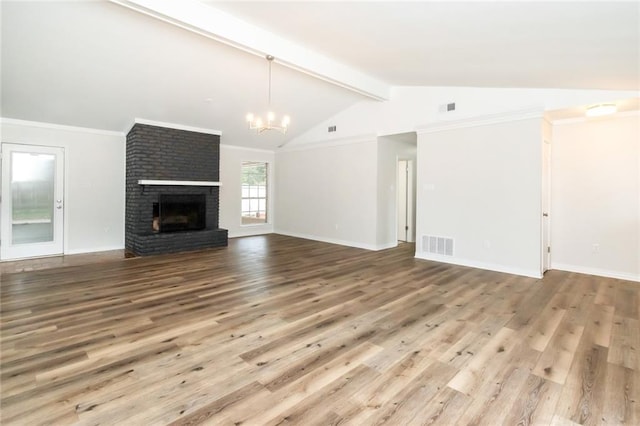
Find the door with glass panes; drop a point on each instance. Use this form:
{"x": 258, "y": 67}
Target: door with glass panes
{"x": 32, "y": 208}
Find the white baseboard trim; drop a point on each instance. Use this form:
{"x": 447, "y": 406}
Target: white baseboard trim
{"x": 386, "y": 246}
{"x": 93, "y": 250}
{"x": 480, "y": 265}
{"x": 347, "y": 243}
{"x": 249, "y": 233}
{"x": 595, "y": 271}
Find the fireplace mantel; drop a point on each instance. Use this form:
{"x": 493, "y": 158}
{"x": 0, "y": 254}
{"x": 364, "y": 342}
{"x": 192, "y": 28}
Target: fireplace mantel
{"x": 178, "y": 182}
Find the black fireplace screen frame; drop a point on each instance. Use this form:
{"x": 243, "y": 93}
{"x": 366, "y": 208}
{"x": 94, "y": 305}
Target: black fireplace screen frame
{"x": 181, "y": 212}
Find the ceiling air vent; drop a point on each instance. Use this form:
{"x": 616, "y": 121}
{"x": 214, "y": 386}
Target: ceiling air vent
{"x": 437, "y": 245}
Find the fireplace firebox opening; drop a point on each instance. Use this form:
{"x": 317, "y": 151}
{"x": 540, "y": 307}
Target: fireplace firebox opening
{"x": 179, "y": 212}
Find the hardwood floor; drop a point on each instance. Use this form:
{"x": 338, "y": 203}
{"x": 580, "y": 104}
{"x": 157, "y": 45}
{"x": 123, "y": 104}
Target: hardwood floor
{"x": 278, "y": 330}
{"x": 39, "y": 264}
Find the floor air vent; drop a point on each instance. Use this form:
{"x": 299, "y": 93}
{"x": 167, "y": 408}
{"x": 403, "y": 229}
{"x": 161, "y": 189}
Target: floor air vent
{"x": 437, "y": 245}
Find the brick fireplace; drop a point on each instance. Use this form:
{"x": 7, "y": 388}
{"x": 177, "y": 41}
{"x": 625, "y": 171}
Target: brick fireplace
{"x": 171, "y": 164}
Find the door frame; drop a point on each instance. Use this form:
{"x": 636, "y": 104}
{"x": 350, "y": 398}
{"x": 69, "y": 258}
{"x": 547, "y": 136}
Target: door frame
{"x": 546, "y": 205}
{"x": 9, "y": 251}
{"x": 410, "y": 201}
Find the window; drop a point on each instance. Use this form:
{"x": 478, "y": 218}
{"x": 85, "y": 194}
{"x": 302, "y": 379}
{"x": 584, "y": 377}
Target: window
{"x": 254, "y": 192}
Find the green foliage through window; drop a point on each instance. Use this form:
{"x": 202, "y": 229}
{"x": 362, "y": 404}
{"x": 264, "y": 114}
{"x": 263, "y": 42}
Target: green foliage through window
{"x": 254, "y": 192}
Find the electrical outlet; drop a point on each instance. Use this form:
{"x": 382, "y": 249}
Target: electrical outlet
{"x": 595, "y": 248}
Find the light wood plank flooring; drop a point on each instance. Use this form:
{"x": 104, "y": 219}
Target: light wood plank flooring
{"x": 277, "y": 330}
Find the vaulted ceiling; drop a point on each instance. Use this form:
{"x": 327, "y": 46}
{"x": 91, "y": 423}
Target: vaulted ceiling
{"x": 98, "y": 64}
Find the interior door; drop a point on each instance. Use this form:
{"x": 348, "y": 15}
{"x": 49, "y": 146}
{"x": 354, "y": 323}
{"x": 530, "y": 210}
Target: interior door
{"x": 32, "y": 201}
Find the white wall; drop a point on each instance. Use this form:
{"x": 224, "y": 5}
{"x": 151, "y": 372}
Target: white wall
{"x": 95, "y": 189}
{"x": 596, "y": 196}
{"x": 491, "y": 219}
{"x": 480, "y": 183}
{"x": 94, "y": 181}
{"x": 329, "y": 193}
{"x": 410, "y": 108}
{"x": 390, "y": 150}
{"x": 231, "y": 158}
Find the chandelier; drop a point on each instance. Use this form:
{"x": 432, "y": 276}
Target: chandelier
{"x": 259, "y": 124}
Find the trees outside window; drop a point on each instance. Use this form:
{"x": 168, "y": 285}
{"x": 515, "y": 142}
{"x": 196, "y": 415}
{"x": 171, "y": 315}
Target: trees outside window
{"x": 254, "y": 192}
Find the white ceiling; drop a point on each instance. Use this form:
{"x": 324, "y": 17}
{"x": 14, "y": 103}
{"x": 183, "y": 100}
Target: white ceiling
{"x": 581, "y": 45}
{"x": 97, "y": 64}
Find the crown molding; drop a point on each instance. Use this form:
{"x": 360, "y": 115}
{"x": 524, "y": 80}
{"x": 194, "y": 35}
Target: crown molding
{"x": 485, "y": 120}
{"x": 372, "y": 137}
{"x": 173, "y": 126}
{"x": 63, "y": 127}
{"x": 584, "y": 119}
{"x": 244, "y": 148}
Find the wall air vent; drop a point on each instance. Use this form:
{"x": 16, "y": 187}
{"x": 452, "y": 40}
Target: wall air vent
{"x": 437, "y": 245}
{"x": 451, "y": 106}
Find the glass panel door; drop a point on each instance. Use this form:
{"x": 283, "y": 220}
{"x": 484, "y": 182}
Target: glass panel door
{"x": 32, "y": 202}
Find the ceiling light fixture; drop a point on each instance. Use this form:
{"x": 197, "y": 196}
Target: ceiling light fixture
{"x": 258, "y": 124}
{"x": 601, "y": 109}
